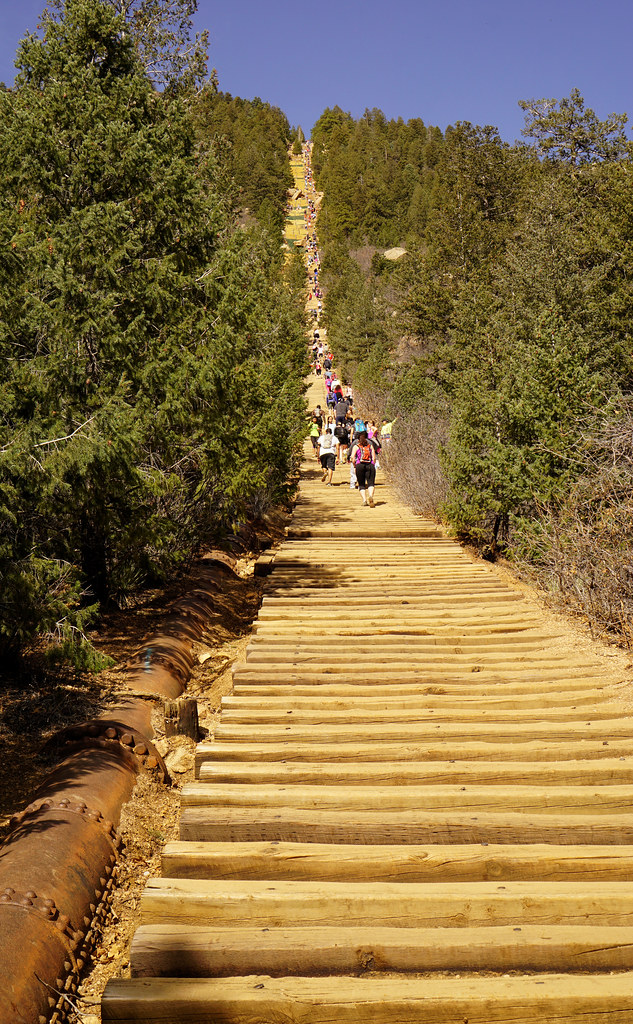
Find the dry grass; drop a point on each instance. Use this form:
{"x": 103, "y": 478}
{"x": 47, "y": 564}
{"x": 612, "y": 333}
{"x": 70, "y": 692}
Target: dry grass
{"x": 413, "y": 461}
{"x": 581, "y": 551}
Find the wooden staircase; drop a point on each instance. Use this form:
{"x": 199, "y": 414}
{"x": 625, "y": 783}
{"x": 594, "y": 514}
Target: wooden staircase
{"x": 416, "y": 806}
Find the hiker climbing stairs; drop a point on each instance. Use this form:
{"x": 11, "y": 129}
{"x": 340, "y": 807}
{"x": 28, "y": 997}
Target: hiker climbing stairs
{"x": 416, "y": 806}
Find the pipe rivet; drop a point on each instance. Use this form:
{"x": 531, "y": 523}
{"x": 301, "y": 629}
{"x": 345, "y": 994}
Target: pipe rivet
{"x": 42, "y": 1020}
{"x": 80, "y": 964}
{"x": 5, "y": 898}
{"x": 67, "y": 965}
{"x": 24, "y": 902}
{"x": 110, "y": 733}
{"x": 87, "y": 922}
{"x": 127, "y": 739}
{"x": 30, "y": 895}
{"x": 64, "y": 803}
{"x": 93, "y": 730}
{"x": 49, "y": 903}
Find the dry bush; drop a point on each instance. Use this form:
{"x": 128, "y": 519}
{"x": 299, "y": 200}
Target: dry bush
{"x": 363, "y": 256}
{"x": 412, "y": 460}
{"x": 581, "y": 551}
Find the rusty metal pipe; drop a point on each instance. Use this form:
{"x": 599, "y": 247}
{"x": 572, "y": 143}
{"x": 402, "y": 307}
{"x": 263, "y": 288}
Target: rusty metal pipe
{"x": 58, "y": 863}
{"x": 56, "y": 869}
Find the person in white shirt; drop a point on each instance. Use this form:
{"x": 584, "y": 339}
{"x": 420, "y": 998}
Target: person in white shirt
{"x": 327, "y": 455}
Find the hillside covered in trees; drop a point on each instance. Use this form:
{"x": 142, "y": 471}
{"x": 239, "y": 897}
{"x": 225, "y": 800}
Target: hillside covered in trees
{"x": 143, "y": 330}
{"x": 501, "y": 339}
{"x": 252, "y": 139}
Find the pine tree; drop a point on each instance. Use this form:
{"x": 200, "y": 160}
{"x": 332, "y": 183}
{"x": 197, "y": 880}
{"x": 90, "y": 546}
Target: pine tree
{"x": 162, "y": 31}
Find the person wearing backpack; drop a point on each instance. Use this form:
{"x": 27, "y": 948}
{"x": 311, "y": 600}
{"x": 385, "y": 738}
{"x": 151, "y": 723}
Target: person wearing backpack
{"x": 341, "y": 433}
{"x": 363, "y": 458}
{"x": 359, "y": 426}
{"x": 315, "y": 433}
{"x": 327, "y": 454}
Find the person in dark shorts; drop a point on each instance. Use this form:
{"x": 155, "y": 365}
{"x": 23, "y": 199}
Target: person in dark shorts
{"x": 363, "y": 458}
{"x": 315, "y": 433}
{"x": 341, "y": 433}
{"x": 327, "y": 454}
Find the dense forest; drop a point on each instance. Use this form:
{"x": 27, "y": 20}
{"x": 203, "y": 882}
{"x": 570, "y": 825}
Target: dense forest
{"x": 501, "y": 337}
{"x": 144, "y": 323}
{"x": 252, "y": 138}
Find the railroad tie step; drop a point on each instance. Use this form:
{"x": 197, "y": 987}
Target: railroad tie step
{"x": 292, "y": 861}
{"x": 196, "y": 951}
{"x": 605, "y": 772}
{"x": 286, "y": 824}
{"x": 534, "y": 999}
{"x": 379, "y": 751}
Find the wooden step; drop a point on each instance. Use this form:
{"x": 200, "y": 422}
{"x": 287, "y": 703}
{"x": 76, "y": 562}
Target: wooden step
{"x": 540, "y": 799}
{"x": 285, "y": 824}
{"x": 424, "y": 674}
{"x": 364, "y": 657}
{"x": 608, "y": 730}
{"x": 367, "y": 904}
{"x": 328, "y": 716}
{"x": 524, "y": 641}
{"x": 479, "y": 603}
{"x": 193, "y": 951}
{"x": 427, "y": 623}
{"x": 532, "y": 999}
{"x": 399, "y": 773}
{"x": 447, "y": 686}
{"x": 441, "y": 750}
{"x": 393, "y": 863}
{"x": 415, "y": 699}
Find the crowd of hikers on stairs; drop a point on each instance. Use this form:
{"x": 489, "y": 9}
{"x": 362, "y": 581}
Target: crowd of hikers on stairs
{"x": 344, "y": 438}
{"x": 338, "y": 435}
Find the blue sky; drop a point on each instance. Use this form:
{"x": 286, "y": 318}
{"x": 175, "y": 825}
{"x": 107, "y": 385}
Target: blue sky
{"x": 441, "y": 60}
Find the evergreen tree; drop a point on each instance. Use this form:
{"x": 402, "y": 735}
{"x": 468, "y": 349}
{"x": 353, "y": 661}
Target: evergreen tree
{"x": 163, "y": 38}
{"x": 138, "y": 336}
{"x": 567, "y": 131}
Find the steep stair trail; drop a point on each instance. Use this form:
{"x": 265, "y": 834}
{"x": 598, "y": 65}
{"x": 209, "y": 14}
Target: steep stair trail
{"x": 416, "y": 806}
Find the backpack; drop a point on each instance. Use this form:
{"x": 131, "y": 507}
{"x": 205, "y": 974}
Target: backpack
{"x": 364, "y": 453}
{"x": 327, "y": 441}
{"x": 359, "y": 425}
